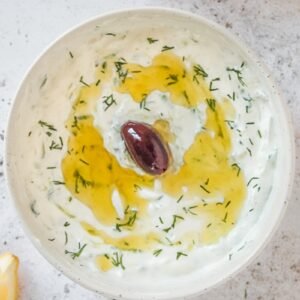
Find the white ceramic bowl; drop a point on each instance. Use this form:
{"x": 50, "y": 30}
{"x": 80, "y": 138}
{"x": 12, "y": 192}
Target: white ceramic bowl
{"x": 16, "y": 139}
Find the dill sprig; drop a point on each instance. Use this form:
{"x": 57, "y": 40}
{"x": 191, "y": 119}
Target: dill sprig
{"x": 82, "y": 81}
{"x": 238, "y": 73}
{"x": 131, "y": 218}
{"x": 166, "y": 48}
{"x": 78, "y": 253}
{"x": 179, "y": 254}
{"x": 212, "y": 104}
{"x": 117, "y": 260}
{"x": 236, "y": 166}
{"x": 144, "y": 102}
{"x": 79, "y": 179}
{"x": 151, "y": 40}
{"x": 211, "y": 88}
{"x": 120, "y": 69}
{"x": 175, "y": 219}
{"x": 172, "y": 79}
{"x": 157, "y": 252}
{"x": 109, "y": 101}
{"x": 47, "y": 125}
{"x": 199, "y": 72}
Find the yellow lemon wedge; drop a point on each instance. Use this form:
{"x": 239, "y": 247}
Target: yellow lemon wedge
{"x": 8, "y": 276}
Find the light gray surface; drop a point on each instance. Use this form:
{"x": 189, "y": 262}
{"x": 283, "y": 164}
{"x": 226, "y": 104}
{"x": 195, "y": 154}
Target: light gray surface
{"x": 270, "y": 28}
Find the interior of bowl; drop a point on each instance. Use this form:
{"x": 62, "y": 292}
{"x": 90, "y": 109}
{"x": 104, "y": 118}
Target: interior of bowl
{"x": 39, "y": 98}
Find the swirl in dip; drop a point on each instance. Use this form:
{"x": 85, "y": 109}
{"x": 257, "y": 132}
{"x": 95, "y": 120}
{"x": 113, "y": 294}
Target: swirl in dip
{"x": 206, "y": 104}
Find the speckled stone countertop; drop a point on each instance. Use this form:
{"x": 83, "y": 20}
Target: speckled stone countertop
{"x": 271, "y": 28}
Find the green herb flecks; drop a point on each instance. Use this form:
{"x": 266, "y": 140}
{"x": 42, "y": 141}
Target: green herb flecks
{"x": 143, "y": 103}
{"x": 33, "y": 208}
{"x": 71, "y": 54}
{"x": 117, "y": 260}
{"x": 199, "y": 72}
{"x": 251, "y": 179}
{"x": 179, "y": 199}
{"x": 80, "y": 180}
{"x": 211, "y": 88}
{"x": 44, "y": 81}
{"x": 110, "y": 33}
{"x": 166, "y": 48}
{"x": 78, "y": 253}
{"x": 109, "y": 101}
{"x": 179, "y": 254}
{"x": 205, "y": 189}
{"x": 172, "y": 79}
{"x": 131, "y": 216}
{"x": 189, "y": 210}
{"x": 56, "y": 146}
{"x": 211, "y": 104}
{"x": 122, "y": 74}
{"x": 57, "y": 182}
{"x": 238, "y": 73}
{"x": 157, "y": 252}
{"x": 237, "y": 167}
{"x": 47, "y": 125}
{"x": 151, "y": 40}
{"x": 82, "y": 81}
{"x": 175, "y": 220}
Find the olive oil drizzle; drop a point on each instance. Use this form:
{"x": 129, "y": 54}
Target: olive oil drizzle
{"x": 92, "y": 174}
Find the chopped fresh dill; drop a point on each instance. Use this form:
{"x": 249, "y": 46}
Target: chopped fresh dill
{"x": 66, "y": 238}
{"x": 208, "y": 225}
{"x": 251, "y": 142}
{"x": 47, "y": 125}
{"x": 79, "y": 179}
{"x": 250, "y": 123}
{"x": 98, "y": 82}
{"x": 172, "y": 79}
{"x": 238, "y": 73}
{"x": 157, "y": 252}
{"x": 186, "y": 97}
{"x": 227, "y": 204}
{"x": 110, "y": 33}
{"x": 78, "y": 253}
{"x": 66, "y": 224}
{"x": 51, "y": 240}
{"x": 44, "y": 81}
{"x": 199, "y": 72}
{"x": 143, "y": 103}
{"x": 179, "y": 199}
{"x": 212, "y": 104}
{"x": 57, "y": 182}
{"x": 249, "y": 151}
{"x": 251, "y": 179}
{"x": 29, "y": 133}
{"x": 236, "y": 166}
{"x": 232, "y": 97}
{"x": 166, "y": 48}
{"x": 136, "y": 187}
{"x": 109, "y": 101}
{"x": 230, "y": 123}
{"x": 259, "y": 133}
{"x": 83, "y": 82}
{"x": 211, "y": 88}
{"x": 151, "y": 40}
{"x": 190, "y": 210}
{"x": 160, "y": 220}
{"x": 56, "y": 146}
{"x": 120, "y": 69}
{"x": 70, "y": 199}
{"x": 179, "y": 254}
{"x": 51, "y": 168}
{"x": 175, "y": 218}
{"x": 33, "y": 208}
{"x": 84, "y": 162}
{"x": 130, "y": 220}
{"x": 71, "y": 54}
{"x": 117, "y": 260}
{"x": 225, "y": 217}
{"x": 204, "y": 188}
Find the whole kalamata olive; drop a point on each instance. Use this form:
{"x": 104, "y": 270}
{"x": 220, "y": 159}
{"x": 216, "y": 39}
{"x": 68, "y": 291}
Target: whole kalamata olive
{"x": 146, "y": 147}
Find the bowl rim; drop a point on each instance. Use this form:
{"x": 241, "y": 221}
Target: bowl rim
{"x": 227, "y": 34}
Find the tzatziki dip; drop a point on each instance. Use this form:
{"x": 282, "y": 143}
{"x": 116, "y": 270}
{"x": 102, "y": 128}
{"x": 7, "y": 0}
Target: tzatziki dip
{"x": 207, "y": 121}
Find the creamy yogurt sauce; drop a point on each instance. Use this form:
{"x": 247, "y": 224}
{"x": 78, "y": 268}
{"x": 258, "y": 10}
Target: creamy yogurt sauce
{"x": 117, "y": 220}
